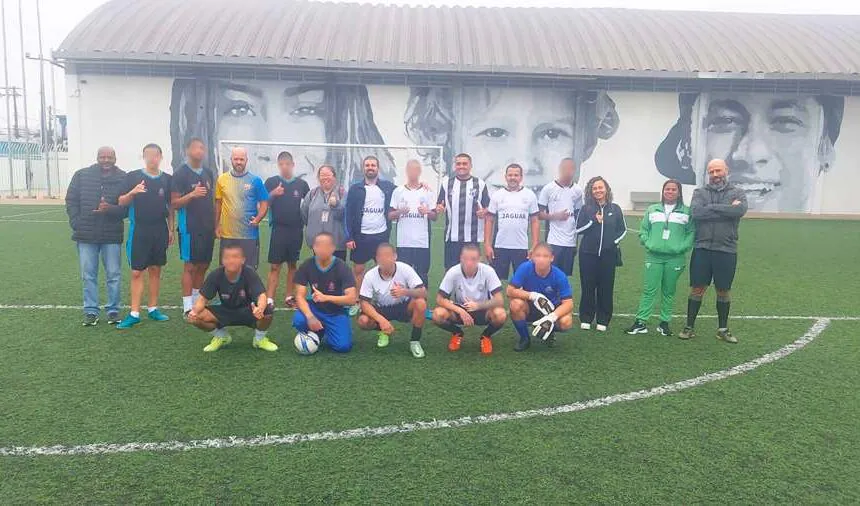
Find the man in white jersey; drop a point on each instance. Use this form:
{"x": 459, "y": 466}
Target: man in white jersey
{"x": 559, "y": 203}
{"x": 515, "y": 210}
{"x": 393, "y": 291}
{"x": 464, "y": 198}
{"x": 470, "y": 294}
{"x": 366, "y": 218}
{"x": 411, "y": 207}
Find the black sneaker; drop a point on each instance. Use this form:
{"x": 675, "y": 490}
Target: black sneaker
{"x": 91, "y": 320}
{"x": 638, "y": 327}
{"x": 664, "y": 329}
{"x": 523, "y": 344}
{"x": 113, "y": 318}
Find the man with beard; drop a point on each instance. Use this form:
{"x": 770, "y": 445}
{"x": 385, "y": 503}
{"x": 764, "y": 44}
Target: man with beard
{"x": 717, "y": 209}
{"x": 241, "y": 203}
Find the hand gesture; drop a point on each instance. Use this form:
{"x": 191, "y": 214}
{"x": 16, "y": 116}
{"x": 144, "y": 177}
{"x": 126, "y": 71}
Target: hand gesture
{"x": 481, "y": 213}
{"x": 199, "y": 191}
{"x": 277, "y": 192}
{"x": 440, "y": 208}
{"x": 103, "y": 206}
{"x": 314, "y": 324}
{"x": 466, "y": 318}
{"x": 599, "y": 217}
{"x": 140, "y": 188}
{"x": 398, "y": 290}
{"x": 318, "y": 296}
{"x": 736, "y": 202}
{"x": 332, "y": 201}
{"x": 423, "y": 210}
{"x": 471, "y": 306}
{"x": 489, "y": 252}
{"x": 350, "y": 244}
{"x": 259, "y": 312}
{"x": 254, "y": 222}
{"x": 386, "y": 326}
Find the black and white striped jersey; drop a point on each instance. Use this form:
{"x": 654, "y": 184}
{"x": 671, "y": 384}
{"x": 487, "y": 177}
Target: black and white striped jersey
{"x": 462, "y": 199}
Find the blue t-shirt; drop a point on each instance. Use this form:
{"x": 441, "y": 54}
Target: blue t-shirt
{"x": 554, "y": 286}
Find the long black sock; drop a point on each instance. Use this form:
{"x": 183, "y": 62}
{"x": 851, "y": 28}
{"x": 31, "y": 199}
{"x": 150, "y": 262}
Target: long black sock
{"x": 451, "y": 327}
{"x": 723, "y": 305}
{"x": 693, "y": 305}
{"x": 416, "y": 333}
{"x": 490, "y": 330}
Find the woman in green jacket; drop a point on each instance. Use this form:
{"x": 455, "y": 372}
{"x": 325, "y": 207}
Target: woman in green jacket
{"x": 667, "y": 231}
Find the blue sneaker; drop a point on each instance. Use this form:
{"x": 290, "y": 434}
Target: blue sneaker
{"x": 128, "y": 322}
{"x": 158, "y": 316}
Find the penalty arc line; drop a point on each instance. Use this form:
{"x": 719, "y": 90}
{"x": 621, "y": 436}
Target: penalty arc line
{"x": 386, "y": 430}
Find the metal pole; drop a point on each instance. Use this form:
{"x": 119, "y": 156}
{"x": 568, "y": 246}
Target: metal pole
{"x": 8, "y": 110}
{"x": 28, "y": 171}
{"x": 55, "y": 146}
{"x": 44, "y": 130}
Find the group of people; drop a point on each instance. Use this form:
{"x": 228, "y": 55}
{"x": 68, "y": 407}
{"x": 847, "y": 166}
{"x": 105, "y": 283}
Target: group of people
{"x": 325, "y": 292}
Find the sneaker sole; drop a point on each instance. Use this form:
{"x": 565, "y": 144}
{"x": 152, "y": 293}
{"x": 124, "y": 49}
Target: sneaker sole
{"x": 733, "y": 341}
{"x": 636, "y": 332}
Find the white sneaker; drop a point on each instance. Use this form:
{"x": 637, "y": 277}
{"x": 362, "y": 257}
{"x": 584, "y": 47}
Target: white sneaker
{"x": 416, "y": 349}
{"x": 585, "y": 326}
{"x": 601, "y": 328}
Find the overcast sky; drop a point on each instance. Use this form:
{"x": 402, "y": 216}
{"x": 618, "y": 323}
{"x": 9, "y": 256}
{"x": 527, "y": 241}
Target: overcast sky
{"x": 60, "y": 16}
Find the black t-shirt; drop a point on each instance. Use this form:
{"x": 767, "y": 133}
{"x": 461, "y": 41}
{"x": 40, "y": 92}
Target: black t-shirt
{"x": 286, "y": 209}
{"x": 152, "y": 206}
{"x": 333, "y": 281}
{"x": 198, "y": 215}
{"x": 236, "y": 295}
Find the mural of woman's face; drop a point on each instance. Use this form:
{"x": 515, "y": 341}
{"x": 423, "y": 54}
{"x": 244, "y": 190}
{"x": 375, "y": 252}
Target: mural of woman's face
{"x": 771, "y": 144}
{"x": 273, "y": 111}
{"x": 531, "y": 127}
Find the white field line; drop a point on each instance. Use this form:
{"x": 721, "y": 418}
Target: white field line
{"x": 32, "y": 221}
{"x": 621, "y": 315}
{"x": 33, "y": 213}
{"x": 386, "y": 430}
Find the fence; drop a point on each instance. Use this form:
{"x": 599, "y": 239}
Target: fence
{"x": 24, "y": 171}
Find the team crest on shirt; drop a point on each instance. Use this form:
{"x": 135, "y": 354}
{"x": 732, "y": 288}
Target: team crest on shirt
{"x": 549, "y": 290}
{"x": 331, "y": 286}
{"x": 246, "y": 187}
{"x": 473, "y": 191}
{"x": 242, "y": 293}
{"x": 295, "y": 193}
{"x": 161, "y": 192}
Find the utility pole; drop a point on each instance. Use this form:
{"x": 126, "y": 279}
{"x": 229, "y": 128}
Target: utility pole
{"x": 28, "y": 170}
{"x": 8, "y": 111}
{"x": 44, "y": 130}
{"x": 15, "y": 128}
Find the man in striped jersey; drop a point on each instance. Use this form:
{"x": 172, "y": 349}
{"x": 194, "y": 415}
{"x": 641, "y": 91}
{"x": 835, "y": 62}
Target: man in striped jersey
{"x": 464, "y": 198}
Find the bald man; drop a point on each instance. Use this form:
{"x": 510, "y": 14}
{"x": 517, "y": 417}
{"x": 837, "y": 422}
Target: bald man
{"x": 241, "y": 203}
{"x": 717, "y": 209}
{"x": 97, "y": 228}
{"x": 413, "y": 209}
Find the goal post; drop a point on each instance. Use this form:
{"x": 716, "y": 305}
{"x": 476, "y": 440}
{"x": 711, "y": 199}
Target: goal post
{"x": 346, "y": 159}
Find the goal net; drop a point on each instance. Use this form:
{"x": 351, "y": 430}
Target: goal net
{"x": 345, "y": 158}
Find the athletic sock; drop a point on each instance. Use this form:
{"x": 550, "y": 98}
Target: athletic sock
{"x": 416, "y": 333}
{"x": 135, "y": 314}
{"x": 271, "y": 302}
{"x": 195, "y": 294}
{"x": 222, "y": 332}
{"x": 723, "y": 305}
{"x": 693, "y": 306}
{"x": 153, "y": 308}
{"x": 451, "y": 327}
{"x": 259, "y": 334}
{"x": 522, "y": 328}
{"x": 490, "y": 330}
{"x": 187, "y": 303}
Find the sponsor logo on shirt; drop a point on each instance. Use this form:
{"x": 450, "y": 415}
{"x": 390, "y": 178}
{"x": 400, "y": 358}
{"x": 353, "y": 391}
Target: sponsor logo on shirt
{"x": 512, "y": 216}
{"x": 413, "y": 215}
{"x": 225, "y": 296}
{"x": 373, "y": 210}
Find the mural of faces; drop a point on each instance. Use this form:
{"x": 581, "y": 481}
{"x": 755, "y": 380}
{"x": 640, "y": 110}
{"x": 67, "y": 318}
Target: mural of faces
{"x": 775, "y": 145}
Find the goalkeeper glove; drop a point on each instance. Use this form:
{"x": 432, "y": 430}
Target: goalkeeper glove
{"x": 544, "y": 327}
{"x": 541, "y": 303}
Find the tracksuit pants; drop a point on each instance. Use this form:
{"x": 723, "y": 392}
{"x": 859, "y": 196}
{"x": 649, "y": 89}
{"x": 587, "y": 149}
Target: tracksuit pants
{"x": 661, "y": 275}
{"x": 597, "y": 280}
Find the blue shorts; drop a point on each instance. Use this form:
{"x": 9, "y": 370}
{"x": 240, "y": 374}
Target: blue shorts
{"x": 337, "y": 329}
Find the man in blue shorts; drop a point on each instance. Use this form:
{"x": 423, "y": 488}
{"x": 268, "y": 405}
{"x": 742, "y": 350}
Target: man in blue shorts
{"x": 332, "y": 289}
{"x": 540, "y": 294}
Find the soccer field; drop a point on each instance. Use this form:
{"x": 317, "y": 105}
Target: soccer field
{"x": 97, "y": 415}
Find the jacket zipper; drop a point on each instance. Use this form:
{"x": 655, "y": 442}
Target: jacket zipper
{"x": 600, "y": 245}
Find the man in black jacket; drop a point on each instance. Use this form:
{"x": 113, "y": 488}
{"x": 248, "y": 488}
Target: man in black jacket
{"x": 366, "y": 218}
{"x": 97, "y": 228}
{"x": 717, "y": 209}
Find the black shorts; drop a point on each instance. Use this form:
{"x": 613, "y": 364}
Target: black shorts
{"x": 707, "y": 265}
{"x": 365, "y": 247}
{"x": 507, "y": 258}
{"x": 417, "y": 258}
{"x": 452, "y": 253}
{"x": 480, "y": 317}
{"x": 235, "y": 317}
{"x": 147, "y": 246}
{"x": 563, "y": 258}
{"x": 251, "y": 247}
{"x": 395, "y": 313}
{"x": 196, "y": 248}
{"x": 285, "y": 245}
{"x": 341, "y": 253}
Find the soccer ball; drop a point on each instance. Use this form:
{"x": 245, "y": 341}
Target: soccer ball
{"x": 307, "y": 343}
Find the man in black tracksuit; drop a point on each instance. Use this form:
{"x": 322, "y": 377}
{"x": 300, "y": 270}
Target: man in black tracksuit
{"x": 717, "y": 209}
{"x": 97, "y": 228}
{"x": 366, "y": 217}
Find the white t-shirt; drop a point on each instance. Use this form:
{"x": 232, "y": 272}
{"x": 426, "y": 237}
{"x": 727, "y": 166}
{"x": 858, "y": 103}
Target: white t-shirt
{"x": 412, "y": 229}
{"x": 555, "y": 198}
{"x": 513, "y": 210}
{"x": 377, "y": 290}
{"x": 457, "y": 287}
{"x": 373, "y": 221}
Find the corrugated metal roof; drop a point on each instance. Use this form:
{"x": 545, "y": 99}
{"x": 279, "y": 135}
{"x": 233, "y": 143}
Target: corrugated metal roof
{"x": 554, "y": 41}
